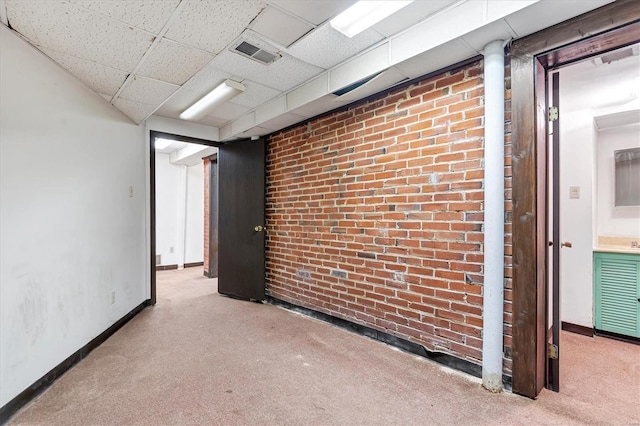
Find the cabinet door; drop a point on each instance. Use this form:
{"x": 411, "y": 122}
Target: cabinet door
{"x": 617, "y": 306}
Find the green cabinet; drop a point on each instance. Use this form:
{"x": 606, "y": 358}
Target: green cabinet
{"x": 617, "y": 292}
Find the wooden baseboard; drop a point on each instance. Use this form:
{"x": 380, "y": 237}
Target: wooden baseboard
{"x": 166, "y": 267}
{"x": 24, "y": 397}
{"x": 616, "y": 336}
{"x": 170, "y": 267}
{"x": 578, "y": 329}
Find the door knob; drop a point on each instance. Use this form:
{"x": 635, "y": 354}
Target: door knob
{"x": 258, "y": 228}
{"x": 566, "y": 244}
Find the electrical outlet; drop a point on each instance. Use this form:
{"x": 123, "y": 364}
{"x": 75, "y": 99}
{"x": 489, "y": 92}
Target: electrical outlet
{"x": 170, "y": 249}
{"x": 131, "y": 192}
{"x": 113, "y": 297}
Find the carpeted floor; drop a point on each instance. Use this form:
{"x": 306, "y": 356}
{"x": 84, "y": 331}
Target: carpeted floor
{"x": 200, "y": 358}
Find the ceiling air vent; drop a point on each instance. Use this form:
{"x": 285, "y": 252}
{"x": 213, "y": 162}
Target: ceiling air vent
{"x": 255, "y": 53}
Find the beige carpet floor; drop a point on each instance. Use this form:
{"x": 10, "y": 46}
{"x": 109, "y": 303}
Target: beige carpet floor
{"x": 200, "y": 358}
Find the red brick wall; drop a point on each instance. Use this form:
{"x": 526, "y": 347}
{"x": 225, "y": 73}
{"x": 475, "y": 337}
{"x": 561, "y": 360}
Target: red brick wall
{"x": 375, "y": 214}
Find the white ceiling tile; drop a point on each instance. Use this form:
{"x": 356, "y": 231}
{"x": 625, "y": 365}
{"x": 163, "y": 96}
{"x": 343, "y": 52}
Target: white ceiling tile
{"x": 206, "y": 79}
{"x": 409, "y": 16}
{"x": 149, "y": 15}
{"x": 81, "y": 33}
{"x": 173, "y": 62}
{"x": 148, "y": 91}
{"x": 137, "y": 111}
{"x": 326, "y": 47}
{"x": 18, "y": 15}
{"x": 279, "y": 26}
{"x": 314, "y": 11}
{"x": 177, "y": 103}
{"x": 229, "y": 111}
{"x": 98, "y": 77}
{"x": 255, "y": 94}
{"x": 283, "y": 74}
{"x": 212, "y": 25}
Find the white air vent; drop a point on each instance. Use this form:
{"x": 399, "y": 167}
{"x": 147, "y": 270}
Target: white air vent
{"x": 254, "y": 52}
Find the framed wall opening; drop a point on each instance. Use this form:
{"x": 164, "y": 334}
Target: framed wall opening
{"x": 155, "y": 135}
{"x": 602, "y": 30}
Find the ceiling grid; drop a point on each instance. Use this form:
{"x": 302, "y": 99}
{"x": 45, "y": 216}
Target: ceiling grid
{"x": 160, "y": 56}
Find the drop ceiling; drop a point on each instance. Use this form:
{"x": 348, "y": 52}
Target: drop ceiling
{"x": 157, "y": 57}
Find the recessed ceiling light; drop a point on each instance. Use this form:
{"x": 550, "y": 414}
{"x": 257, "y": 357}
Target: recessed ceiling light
{"x": 364, "y": 14}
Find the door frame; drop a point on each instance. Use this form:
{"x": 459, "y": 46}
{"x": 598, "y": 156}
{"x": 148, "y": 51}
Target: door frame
{"x": 606, "y": 28}
{"x": 153, "y": 134}
{"x": 212, "y": 271}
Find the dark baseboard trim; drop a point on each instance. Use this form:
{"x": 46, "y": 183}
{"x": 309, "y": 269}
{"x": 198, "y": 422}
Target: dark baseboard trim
{"x": 616, "y": 336}
{"x": 170, "y": 267}
{"x": 398, "y": 342}
{"x": 166, "y": 267}
{"x": 578, "y": 329}
{"x": 11, "y": 407}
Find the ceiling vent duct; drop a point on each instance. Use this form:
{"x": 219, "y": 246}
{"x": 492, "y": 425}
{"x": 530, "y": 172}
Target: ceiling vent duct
{"x": 254, "y": 52}
{"x": 618, "y": 55}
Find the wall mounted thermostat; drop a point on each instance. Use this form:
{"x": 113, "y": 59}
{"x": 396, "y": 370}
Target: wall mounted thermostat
{"x": 574, "y": 192}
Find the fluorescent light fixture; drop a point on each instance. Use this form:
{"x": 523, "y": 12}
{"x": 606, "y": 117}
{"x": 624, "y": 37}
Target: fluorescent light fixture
{"x": 213, "y": 99}
{"x": 161, "y": 143}
{"x": 364, "y": 14}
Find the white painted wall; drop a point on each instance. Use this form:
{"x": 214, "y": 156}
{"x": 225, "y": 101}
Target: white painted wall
{"x": 167, "y": 180}
{"x": 177, "y": 218}
{"x": 70, "y": 232}
{"x": 612, "y": 220}
{"x": 587, "y": 91}
{"x": 194, "y": 247}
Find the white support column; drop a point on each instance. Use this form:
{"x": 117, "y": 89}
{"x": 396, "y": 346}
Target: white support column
{"x": 492, "y": 328}
{"x": 181, "y": 206}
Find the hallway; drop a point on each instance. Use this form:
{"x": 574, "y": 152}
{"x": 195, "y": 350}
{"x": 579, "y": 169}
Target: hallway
{"x": 199, "y": 358}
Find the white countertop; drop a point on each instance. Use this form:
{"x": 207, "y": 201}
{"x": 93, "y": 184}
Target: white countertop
{"x": 617, "y": 249}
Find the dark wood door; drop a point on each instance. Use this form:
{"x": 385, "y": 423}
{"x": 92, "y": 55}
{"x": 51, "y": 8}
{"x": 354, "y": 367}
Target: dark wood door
{"x": 553, "y": 369}
{"x": 241, "y": 234}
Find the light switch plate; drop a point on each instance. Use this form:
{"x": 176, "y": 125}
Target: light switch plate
{"x": 574, "y": 192}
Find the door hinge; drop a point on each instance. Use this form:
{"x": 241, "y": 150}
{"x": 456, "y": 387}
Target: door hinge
{"x": 552, "y": 351}
{"x": 553, "y": 113}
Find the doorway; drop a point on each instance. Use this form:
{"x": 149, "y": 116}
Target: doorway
{"x": 594, "y": 114}
{"x": 177, "y": 197}
{"x": 239, "y": 183}
{"x": 533, "y": 59}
